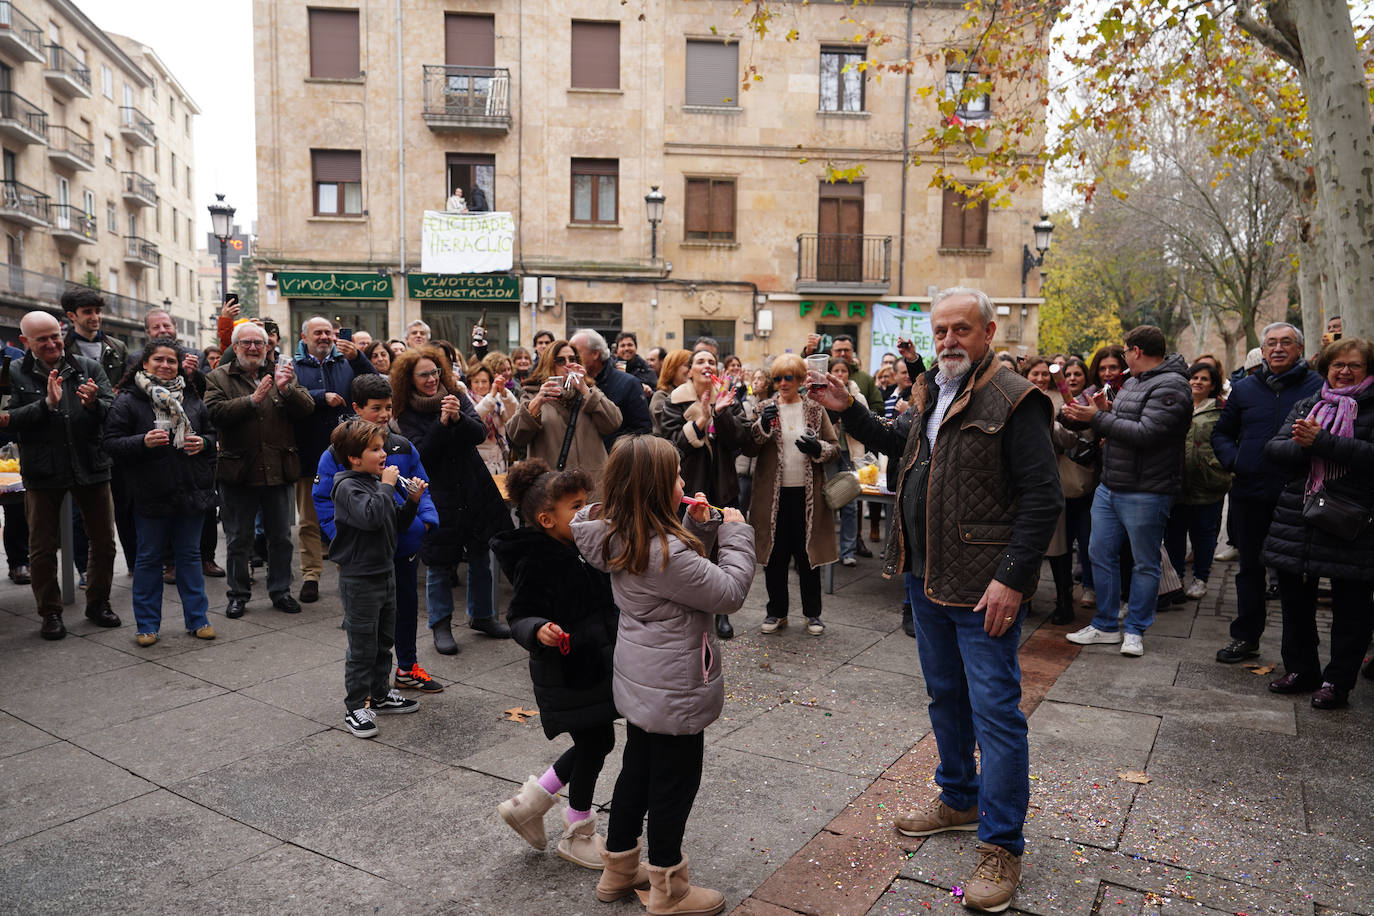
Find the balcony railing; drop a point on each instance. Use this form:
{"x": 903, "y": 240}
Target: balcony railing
{"x": 136, "y": 127}
{"x": 141, "y": 251}
{"x": 19, "y": 34}
{"x": 470, "y": 98}
{"x": 70, "y": 148}
{"x": 138, "y": 189}
{"x": 22, "y": 120}
{"x": 70, "y": 221}
{"x": 838, "y": 261}
{"x": 20, "y": 203}
{"x": 46, "y": 290}
{"x": 67, "y": 74}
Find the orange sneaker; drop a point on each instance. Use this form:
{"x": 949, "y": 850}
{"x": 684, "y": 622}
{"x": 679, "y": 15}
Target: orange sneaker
{"x": 417, "y": 678}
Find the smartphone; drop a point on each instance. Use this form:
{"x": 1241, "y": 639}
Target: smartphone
{"x": 345, "y": 333}
{"x": 231, "y": 298}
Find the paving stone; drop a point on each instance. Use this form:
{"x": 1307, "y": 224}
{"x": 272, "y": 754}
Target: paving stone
{"x": 245, "y": 662}
{"x": 1092, "y": 726}
{"x": 174, "y": 745}
{"x": 280, "y": 791}
{"x": 75, "y": 705}
{"x": 58, "y": 783}
{"x": 316, "y": 693}
{"x": 833, "y": 739}
{"x": 511, "y": 679}
{"x": 1211, "y": 707}
{"x": 172, "y": 639}
{"x": 450, "y": 726}
{"x": 894, "y": 652}
{"x": 17, "y": 736}
{"x": 120, "y": 857}
{"x": 30, "y": 660}
{"x": 872, "y": 690}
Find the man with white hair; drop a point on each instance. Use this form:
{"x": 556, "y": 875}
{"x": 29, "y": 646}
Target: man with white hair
{"x": 978, "y": 498}
{"x": 623, "y": 389}
{"x": 58, "y": 403}
{"x": 417, "y": 334}
{"x": 256, "y": 410}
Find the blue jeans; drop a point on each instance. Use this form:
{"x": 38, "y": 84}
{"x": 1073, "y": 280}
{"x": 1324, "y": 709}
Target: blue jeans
{"x": 1138, "y": 519}
{"x": 183, "y": 531}
{"x": 974, "y": 682}
{"x": 439, "y": 593}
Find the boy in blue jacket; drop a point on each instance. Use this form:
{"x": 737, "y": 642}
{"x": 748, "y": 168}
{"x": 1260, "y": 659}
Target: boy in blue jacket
{"x": 371, "y": 399}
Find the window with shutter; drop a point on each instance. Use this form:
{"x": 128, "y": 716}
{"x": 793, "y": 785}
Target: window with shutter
{"x": 710, "y": 210}
{"x": 469, "y": 40}
{"x": 595, "y": 55}
{"x": 594, "y": 190}
{"x": 334, "y": 44}
{"x": 712, "y": 73}
{"x": 338, "y": 182}
{"x": 963, "y": 226}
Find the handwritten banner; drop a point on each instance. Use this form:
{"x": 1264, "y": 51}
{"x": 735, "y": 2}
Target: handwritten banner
{"x": 890, "y": 323}
{"x": 466, "y": 243}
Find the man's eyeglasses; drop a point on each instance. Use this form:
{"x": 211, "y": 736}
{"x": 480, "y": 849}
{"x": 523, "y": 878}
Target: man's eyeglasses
{"x": 789, "y": 377}
{"x": 1287, "y": 343}
{"x": 431, "y": 373}
{"x": 253, "y": 344}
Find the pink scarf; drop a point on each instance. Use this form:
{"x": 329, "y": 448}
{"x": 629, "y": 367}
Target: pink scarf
{"x": 1335, "y": 411}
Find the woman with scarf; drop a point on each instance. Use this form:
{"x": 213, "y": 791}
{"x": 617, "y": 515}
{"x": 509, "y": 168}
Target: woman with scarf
{"x": 159, "y": 431}
{"x": 1321, "y": 527}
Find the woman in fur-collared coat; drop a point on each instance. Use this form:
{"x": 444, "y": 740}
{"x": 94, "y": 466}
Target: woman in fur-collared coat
{"x": 791, "y": 520}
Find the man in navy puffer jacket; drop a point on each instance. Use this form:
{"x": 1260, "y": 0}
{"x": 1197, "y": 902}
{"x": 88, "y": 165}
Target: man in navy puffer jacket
{"x": 371, "y": 397}
{"x": 1252, "y": 416}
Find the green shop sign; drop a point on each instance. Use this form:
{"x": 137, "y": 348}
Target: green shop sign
{"x": 464, "y": 287}
{"x": 851, "y": 309}
{"x": 296, "y": 285}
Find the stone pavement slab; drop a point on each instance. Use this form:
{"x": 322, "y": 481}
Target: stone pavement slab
{"x": 57, "y": 783}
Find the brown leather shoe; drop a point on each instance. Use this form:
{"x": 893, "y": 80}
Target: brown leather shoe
{"x": 212, "y": 569}
{"x": 310, "y": 591}
{"x": 52, "y": 627}
{"x": 994, "y": 880}
{"x": 936, "y": 817}
{"x": 1294, "y": 682}
{"x": 1329, "y": 696}
{"x": 101, "y": 614}
{"x": 169, "y": 575}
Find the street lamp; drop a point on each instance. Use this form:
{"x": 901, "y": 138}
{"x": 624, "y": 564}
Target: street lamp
{"x": 1043, "y": 230}
{"x": 653, "y": 207}
{"x": 222, "y": 224}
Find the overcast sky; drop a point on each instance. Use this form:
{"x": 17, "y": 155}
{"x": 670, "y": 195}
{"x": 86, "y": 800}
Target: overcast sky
{"x": 209, "y": 49}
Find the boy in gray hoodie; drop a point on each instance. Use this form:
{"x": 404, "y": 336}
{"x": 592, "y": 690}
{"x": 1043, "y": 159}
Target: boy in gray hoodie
{"x": 366, "y": 519}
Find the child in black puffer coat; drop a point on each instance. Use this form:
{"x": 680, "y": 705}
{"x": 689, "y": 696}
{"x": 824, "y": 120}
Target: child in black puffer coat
{"x": 563, "y": 612}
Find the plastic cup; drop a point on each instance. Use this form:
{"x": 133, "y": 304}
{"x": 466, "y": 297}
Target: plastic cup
{"x": 165, "y": 425}
{"x": 819, "y": 363}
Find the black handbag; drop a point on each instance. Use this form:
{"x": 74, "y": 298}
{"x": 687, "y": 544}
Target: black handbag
{"x": 1338, "y": 516}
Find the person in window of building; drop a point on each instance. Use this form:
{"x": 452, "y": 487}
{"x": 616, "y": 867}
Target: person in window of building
{"x": 439, "y": 419}
{"x": 417, "y": 334}
{"x": 1326, "y": 445}
{"x": 542, "y": 339}
{"x": 627, "y": 352}
{"x": 325, "y": 366}
{"x": 1144, "y": 429}
{"x": 456, "y": 203}
{"x": 977, "y": 435}
{"x": 842, "y": 346}
{"x": 57, "y": 406}
{"x": 479, "y": 201}
{"x": 1253, "y": 415}
{"x": 621, "y": 388}
{"x": 256, "y": 409}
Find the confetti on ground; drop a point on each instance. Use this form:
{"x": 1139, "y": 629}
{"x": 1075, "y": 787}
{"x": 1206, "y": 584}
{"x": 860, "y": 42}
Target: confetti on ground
{"x": 1135, "y": 776}
{"x": 519, "y": 713}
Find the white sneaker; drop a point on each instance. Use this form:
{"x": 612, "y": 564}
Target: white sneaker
{"x": 1089, "y": 598}
{"x": 1091, "y": 635}
{"x": 1196, "y": 589}
{"x": 1226, "y": 554}
{"x": 1131, "y": 644}
{"x": 849, "y": 561}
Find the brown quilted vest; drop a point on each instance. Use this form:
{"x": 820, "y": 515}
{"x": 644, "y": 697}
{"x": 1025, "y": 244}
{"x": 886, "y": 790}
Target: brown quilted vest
{"x": 970, "y": 509}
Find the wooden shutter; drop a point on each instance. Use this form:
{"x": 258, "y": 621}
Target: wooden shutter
{"x": 337, "y": 165}
{"x": 722, "y": 210}
{"x": 334, "y": 44}
{"x": 595, "y": 55}
{"x": 469, "y": 40}
{"x": 976, "y": 226}
{"x": 952, "y": 223}
{"x": 698, "y": 209}
{"x": 712, "y": 73}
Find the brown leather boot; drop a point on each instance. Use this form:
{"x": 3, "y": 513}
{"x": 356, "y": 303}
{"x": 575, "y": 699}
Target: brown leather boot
{"x": 671, "y": 893}
{"x": 621, "y": 874}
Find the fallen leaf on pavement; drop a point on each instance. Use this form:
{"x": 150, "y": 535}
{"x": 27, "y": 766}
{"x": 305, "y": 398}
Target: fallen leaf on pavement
{"x": 520, "y": 713}
{"x": 1260, "y": 669}
{"x": 1135, "y": 776}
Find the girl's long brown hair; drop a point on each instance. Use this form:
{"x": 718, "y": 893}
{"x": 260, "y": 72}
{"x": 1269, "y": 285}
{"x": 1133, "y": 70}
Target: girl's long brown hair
{"x": 403, "y": 376}
{"x": 639, "y": 504}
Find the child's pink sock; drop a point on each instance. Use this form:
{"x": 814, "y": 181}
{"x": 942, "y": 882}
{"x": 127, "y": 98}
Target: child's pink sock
{"x": 550, "y": 781}
{"x": 574, "y": 816}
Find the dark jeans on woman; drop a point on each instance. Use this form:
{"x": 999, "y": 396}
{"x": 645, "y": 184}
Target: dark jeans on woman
{"x": 1352, "y": 623}
{"x": 1078, "y": 525}
{"x": 1200, "y": 525}
{"x": 407, "y": 570}
{"x": 659, "y": 776}
{"x": 580, "y": 765}
{"x": 16, "y": 536}
{"x": 789, "y": 545}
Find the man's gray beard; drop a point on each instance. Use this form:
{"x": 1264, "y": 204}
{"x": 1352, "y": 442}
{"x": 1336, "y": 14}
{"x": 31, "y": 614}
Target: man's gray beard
{"x": 954, "y": 370}
{"x": 250, "y": 364}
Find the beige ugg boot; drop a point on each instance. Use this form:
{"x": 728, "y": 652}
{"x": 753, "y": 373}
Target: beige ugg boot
{"x": 525, "y": 811}
{"x": 671, "y": 893}
{"x": 580, "y": 844}
{"x": 621, "y": 874}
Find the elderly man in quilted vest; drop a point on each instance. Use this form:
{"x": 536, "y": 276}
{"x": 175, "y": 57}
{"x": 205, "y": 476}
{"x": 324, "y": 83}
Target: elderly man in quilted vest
{"x": 979, "y": 496}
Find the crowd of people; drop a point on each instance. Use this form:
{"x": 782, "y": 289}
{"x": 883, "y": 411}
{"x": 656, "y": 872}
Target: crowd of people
{"x": 629, "y": 496}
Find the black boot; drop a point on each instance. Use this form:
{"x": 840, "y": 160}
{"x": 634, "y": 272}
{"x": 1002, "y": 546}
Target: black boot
{"x": 908, "y": 625}
{"x": 723, "y": 627}
{"x": 1063, "y": 610}
{"x": 1061, "y": 567}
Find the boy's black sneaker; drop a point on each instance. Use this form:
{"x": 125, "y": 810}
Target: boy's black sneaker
{"x": 394, "y": 704}
{"x": 417, "y": 678}
{"x": 359, "y": 722}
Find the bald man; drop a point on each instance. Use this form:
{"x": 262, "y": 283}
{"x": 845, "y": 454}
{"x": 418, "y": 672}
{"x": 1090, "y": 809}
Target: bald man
{"x": 57, "y": 407}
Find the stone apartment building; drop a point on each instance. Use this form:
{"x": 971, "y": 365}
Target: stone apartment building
{"x": 95, "y": 137}
{"x": 568, "y": 114}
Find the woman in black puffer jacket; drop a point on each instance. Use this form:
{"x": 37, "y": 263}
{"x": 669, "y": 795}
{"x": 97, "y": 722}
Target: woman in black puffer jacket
{"x": 159, "y": 431}
{"x": 1327, "y": 445}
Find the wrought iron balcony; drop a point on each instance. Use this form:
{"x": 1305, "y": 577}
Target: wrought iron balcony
{"x": 20, "y": 36}
{"x": 467, "y": 98}
{"x": 69, "y": 149}
{"x": 138, "y": 190}
{"x": 839, "y": 262}
{"x": 66, "y": 74}
{"x": 22, "y": 204}
{"x": 21, "y": 120}
{"x": 140, "y": 252}
{"x": 71, "y": 223}
{"x": 136, "y": 127}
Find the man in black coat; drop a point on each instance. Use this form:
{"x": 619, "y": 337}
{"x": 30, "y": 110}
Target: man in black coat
{"x": 624, "y": 390}
{"x": 627, "y": 351}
